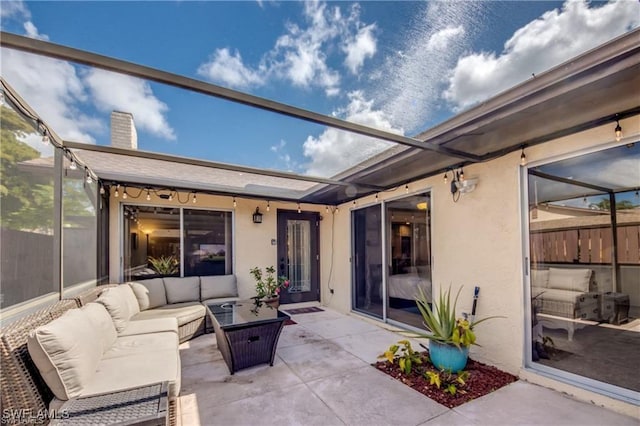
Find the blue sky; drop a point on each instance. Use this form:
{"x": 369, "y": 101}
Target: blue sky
{"x": 399, "y": 66}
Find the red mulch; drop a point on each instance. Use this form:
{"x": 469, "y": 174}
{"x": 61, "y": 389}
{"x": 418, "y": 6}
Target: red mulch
{"x": 483, "y": 379}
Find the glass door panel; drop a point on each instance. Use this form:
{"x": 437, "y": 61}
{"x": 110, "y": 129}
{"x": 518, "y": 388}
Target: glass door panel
{"x": 367, "y": 260}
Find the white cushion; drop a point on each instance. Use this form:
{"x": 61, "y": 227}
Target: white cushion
{"x": 157, "y": 295}
{"x": 185, "y": 289}
{"x": 142, "y": 295}
{"x": 121, "y": 304}
{"x": 66, "y": 351}
{"x": 148, "y": 326}
{"x": 100, "y": 319}
{"x": 218, "y": 286}
{"x": 540, "y": 278}
{"x": 570, "y": 279}
{"x": 184, "y": 312}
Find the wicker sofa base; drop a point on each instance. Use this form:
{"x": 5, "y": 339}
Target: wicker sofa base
{"x": 191, "y": 329}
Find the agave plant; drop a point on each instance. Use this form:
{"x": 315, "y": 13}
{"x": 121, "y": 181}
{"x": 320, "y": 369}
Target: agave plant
{"x": 164, "y": 265}
{"x": 441, "y": 322}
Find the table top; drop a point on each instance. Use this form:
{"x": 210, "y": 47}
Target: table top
{"x": 243, "y": 312}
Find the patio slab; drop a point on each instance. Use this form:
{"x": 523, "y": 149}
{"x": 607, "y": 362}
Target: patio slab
{"x": 322, "y": 376}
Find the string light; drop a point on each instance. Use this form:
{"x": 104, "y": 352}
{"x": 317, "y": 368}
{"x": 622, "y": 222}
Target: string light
{"x": 45, "y": 137}
{"x": 170, "y": 196}
{"x": 406, "y": 189}
{"x": 73, "y": 165}
{"x": 234, "y": 202}
{"x": 102, "y": 191}
{"x": 461, "y": 174}
{"x": 446, "y": 178}
{"x": 337, "y": 209}
{"x": 117, "y": 194}
{"x": 195, "y": 200}
{"x": 523, "y": 158}
{"x": 326, "y": 209}
{"x": 376, "y": 198}
{"x": 299, "y": 210}
{"x": 268, "y": 206}
{"x": 618, "y": 131}
{"x": 89, "y": 180}
{"x": 124, "y": 193}
{"x": 148, "y": 195}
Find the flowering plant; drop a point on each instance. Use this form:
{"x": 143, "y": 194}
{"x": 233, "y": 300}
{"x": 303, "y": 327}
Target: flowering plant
{"x": 268, "y": 285}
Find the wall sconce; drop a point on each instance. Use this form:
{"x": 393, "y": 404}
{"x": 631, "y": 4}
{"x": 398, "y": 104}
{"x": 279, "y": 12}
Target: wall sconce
{"x": 257, "y": 216}
{"x": 460, "y": 185}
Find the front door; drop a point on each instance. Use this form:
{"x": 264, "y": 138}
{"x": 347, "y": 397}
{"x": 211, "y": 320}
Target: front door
{"x": 299, "y": 255}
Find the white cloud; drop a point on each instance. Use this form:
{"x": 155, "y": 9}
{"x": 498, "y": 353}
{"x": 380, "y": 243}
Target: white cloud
{"x": 555, "y": 37}
{"x": 359, "y": 48}
{"x": 334, "y": 150}
{"x": 300, "y": 55}
{"x": 32, "y": 31}
{"x": 54, "y": 90}
{"x": 14, "y": 9}
{"x": 284, "y": 157}
{"x": 111, "y": 91}
{"x": 419, "y": 68}
{"x": 228, "y": 68}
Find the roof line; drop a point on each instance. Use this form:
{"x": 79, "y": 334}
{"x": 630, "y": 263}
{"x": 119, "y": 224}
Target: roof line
{"x": 210, "y": 164}
{"x": 57, "y": 51}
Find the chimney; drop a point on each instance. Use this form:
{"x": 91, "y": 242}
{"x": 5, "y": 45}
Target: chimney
{"x": 123, "y": 130}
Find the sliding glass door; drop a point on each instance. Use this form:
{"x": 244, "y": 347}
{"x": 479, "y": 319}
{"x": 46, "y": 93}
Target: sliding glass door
{"x": 367, "y": 260}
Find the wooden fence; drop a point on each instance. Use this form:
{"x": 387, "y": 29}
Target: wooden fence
{"x": 587, "y": 245}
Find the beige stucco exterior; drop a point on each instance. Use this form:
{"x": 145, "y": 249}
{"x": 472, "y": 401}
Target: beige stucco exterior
{"x": 476, "y": 241}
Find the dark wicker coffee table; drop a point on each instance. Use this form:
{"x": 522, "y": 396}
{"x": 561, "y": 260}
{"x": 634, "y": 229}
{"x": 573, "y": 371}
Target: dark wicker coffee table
{"x": 146, "y": 405}
{"x": 247, "y": 332}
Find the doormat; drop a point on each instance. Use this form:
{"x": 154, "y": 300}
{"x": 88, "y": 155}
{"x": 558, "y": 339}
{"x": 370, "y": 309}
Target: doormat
{"x": 298, "y": 311}
{"x": 289, "y": 322}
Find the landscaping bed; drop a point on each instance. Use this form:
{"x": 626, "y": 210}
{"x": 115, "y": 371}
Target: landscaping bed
{"x": 482, "y": 379}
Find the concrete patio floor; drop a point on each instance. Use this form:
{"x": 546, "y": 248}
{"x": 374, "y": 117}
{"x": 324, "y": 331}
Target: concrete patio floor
{"x": 322, "y": 376}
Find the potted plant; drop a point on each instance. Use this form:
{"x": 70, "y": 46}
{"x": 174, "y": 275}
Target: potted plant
{"x": 268, "y": 286}
{"x": 165, "y": 265}
{"x": 449, "y": 337}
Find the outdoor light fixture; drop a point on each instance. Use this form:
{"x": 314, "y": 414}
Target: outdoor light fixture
{"x": 618, "y": 131}
{"x": 124, "y": 193}
{"x": 523, "y": 158}
{"x": 268, "y": 206}
{"x": 117, "y": 194}
{"x": 257, "y": 216}
{"x": 148, "y": 195}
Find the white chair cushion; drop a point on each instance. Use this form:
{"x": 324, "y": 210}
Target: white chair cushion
{"x": 121, "y": 304}
{"x": 185, "y": 289}
{"x": 67, "y": 352}
{"x": 142, "y": 295}
{"x": 570, "y": 279}
{"x": 218, "y": 286}
{"x": 540, "y": 278}
{"x": 156, "y": 293}
{"x": 99, "y": 317}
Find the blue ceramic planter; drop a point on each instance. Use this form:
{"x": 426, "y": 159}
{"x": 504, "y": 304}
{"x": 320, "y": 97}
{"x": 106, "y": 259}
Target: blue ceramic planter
{"x": 448, "y": 357}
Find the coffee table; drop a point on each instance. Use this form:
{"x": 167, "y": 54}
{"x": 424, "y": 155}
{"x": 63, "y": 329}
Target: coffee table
{"x": 247, "y": 332}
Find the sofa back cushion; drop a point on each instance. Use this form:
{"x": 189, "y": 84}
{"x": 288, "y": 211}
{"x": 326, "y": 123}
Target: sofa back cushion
{"x": 218, "y": 286}
{"x": 540, "y": 278}
{"x": 150, "y": 293}
{"x": 570, "y": 279}
{"x": 185, "y": 289}
{"x": 66, "y": 351}
{"x": 100, "y": 319}
{"x": 121, "y": 304}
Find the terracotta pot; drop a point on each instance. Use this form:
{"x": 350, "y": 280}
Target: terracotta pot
{"x": 273, "y": 301}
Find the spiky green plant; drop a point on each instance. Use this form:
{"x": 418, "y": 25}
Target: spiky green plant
{"x": 440, "y": 321}
{"x": 165, "y": 265}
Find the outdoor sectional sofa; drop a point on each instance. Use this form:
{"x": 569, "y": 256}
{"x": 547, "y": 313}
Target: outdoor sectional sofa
{"x": 565, "y": 292}
{"x": 106, "y": 340}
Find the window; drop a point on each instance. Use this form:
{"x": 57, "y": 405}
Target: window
{"x": 156, "y": 244}
{"x": 584, "y": 225}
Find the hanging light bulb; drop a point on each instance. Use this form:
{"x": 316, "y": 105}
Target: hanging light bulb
{"x": 376, "y": 198}
{"x": 148, "y": 195}
{"x": 268, "y": 206}
{"x": 326, "y": 209}
{"x": 124, "y": 193}
{"x": 523, "y": 158}
{"x": 406, "y": 189}
{"x": 170, "y": 196}
{"x": 73, "y": 165}
{"x": 337, "y": 209}
{"x": 117, "y": 194}
{"x": 354, "y": 203}
{"x": 234, "y": 202}
{"x": 89, "y": 180}
{"x": 461, "y": 174}
{"x": 446, "y": 178}
{"x": 195, "y": 200}
{"x": 584, "y": 200}
{"x": 45, "y": 137}
{"x": 102, "y": 191}
{"x": 618, "y": 131}
{"x": 299, "y": 209}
